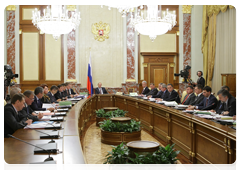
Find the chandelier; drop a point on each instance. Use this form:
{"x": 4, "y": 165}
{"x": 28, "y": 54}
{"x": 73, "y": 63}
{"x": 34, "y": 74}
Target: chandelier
{"x": 152, "y": 21}
{"x": 56, "y": 20}
{"x": 123, "y": 9}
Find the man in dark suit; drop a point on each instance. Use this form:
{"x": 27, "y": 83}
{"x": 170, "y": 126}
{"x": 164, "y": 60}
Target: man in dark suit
{"x": 173, "y": 95}
{"x": 190, "y": 97}
{"x": 51, "y": 93}
{"x": 200, "y": 79}
{"x": 164, "y": 94}
{"x": 209, "y": 102}
{"x": 37, "y": 103}
{"x": 100, "y": 89}
{"x": 153, "y": 90}
{"x": 27, "y": 110}
{"x": 198, "y": 99}
{"x": 158, "y": 95}
{"x": 12, "y": 121}
{"x": 69, "y": 90}
{"x": 226, "y": 105}
{"x": 145, "y": 88}
{"x": 60, "y": 94}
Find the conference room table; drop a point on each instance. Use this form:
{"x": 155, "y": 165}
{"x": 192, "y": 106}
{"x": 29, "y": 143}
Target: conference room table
{"x": 199, "y": 140}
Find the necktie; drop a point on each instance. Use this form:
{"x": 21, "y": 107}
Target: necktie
{"x": 185, "y": 99}
{"x": 206, "y": 102}
{"x": 27, "y": 110}
{"x": 143, "y": 90}
{"x": 100, "y": 90}
{"x": 224, "y": 106}
{"x": 67, "y": 92}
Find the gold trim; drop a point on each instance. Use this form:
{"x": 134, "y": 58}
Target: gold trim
{"x": 151, "y": 127}
{"x": 131, "y": 80}
{"x": 41, "y": 32}
{"x": 168, "y": 138}
{"x": 177, "y": 33}
{"x": 144, "y": 64}
{"x": 20, "y": 31}
{"x": 172, "y": 64}
{"x": 23, "y": 13}
{"x": 186, "y": 9}
{"x": 11, "y": 8}
{"x": 71, "y": 7}
{"x": 72, "y": 80}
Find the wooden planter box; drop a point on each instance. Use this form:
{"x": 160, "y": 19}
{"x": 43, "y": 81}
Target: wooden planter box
{"x": 100, "y": 119}
{"x": 116, "y": 138}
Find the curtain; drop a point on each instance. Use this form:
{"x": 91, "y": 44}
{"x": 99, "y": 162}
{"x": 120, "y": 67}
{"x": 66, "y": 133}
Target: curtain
{"x": 225, "y": 56}
{"x": 209, "y": 38}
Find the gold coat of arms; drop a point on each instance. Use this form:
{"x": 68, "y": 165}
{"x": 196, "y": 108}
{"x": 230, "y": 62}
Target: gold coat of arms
{"x": 100, "y": 31}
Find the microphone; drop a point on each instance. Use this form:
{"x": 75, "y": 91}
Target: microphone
{"x": 48, "y": 159}
{"x": 52, "y": 141}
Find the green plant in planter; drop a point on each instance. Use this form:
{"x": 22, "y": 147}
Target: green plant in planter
{"x": 120, "y": 153}
{"x": 108, "y": 125}
{"x": 110, "y": 114}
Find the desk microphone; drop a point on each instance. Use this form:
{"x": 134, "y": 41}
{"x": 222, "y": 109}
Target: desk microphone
{"x": 52, "y": 141}
{"x": 48, "y": 159}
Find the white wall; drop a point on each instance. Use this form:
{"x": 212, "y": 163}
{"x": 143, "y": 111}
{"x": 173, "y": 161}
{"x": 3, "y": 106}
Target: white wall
{"x": 107, "y": 56}
{"x": 196, "y": 41}
{"x": 180, "y": 40}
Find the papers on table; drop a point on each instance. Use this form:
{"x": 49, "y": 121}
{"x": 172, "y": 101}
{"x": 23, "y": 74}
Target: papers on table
{"x": 38, "y": 124}
{"x": 152, "y": 99}
{"x": 47, "y": 112}
{"x": 182, "y": 106}
{"x": 145, "y": 98}
{"x": 171, "y": 103}
{"x": 160, "y": 102}
{"x": 74, "y": 99}
{"x": 48, "y": 117}
{"x": 221, "y": 117}
{"x": 48, "y": 105}
{"x": 205, "y": 116}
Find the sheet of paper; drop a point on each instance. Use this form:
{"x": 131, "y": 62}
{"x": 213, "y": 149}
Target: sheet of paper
{"x": 48, "y": 105}
{"x": 48, "y": 117}
{"x": 74, "y": 99}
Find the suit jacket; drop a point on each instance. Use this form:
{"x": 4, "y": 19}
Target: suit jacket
{"x": 231, "y": 106}
{"x": 45, "y": 99}
{"x": 12, "y": 121}
{"x": 212, "y": 103}
{"x": 37, "y": 105}
{"x": 72, "y": 92}
{"x": 59, "y": 95}
{"x": 158, "y": 95}
{"x": 26, "y": 112}
{"x": 152, "y": 92}
{"x": 201, "y": 81}
{"x": 173, "y": 96}
{"x": 145, "y": 91}
{"x": 198, "y": 99}
{"x": 103, "y": 90}
{"x": 52, "y": 97}
{"x": 190, "y": 99}
{"x": 165, "y": 95}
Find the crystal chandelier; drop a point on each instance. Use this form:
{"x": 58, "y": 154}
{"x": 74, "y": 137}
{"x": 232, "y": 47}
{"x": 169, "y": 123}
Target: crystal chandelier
{"x": 55, "y": 21}
{"x": 152, "y": 21}
{"x": 123, "y": 9}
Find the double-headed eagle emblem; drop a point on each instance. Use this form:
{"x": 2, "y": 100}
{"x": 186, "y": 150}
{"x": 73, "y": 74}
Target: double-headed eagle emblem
{"x": 100, "y": 31}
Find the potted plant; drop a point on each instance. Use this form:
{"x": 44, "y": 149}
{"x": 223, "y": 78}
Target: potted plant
{"x": 102, "y": 115}
{"x": 114, "y": 133}
{"x": 121, "y": 155}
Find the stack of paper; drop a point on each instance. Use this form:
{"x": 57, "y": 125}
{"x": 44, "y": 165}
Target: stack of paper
{"x": 171, "y": 103}
{"x": 152, "y": 99}
{"x": 38, "y": 125}
{"x": 205, "y": 116}
{"x": 74, "y": 99}
{"x": 47, "y": 112}
{"x": 46, "y": 117}
{"x": 182, "y": 106}
{"x": 203, "y": 112}
{"x": 48, "y": 105}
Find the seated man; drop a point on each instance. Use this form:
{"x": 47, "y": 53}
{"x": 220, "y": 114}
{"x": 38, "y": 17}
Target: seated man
{"x": 51, "y": 93}
{"x": 165, "y": 93}
{"x": 226, "y": 105}
{"x": 145, "y": 88}
{"x": 209, "y": 102}
{"x": 158, "y": 95}
{"x": 153, "y": 90}
{"x": 64, "y": 94}
{"x": 190, "y": 97}
{"x": 27, "y": 110}
{"x": 12, "y": 122}
{"x": 70, "y": 91}
{"x": 37, "y": 103}
{"x": 173, "y": 95}
{"x": 198, "y": 99}
{"x": 60, "y": 94}
{"x": 100, "y": 89}
{"x": 14, "y": 91}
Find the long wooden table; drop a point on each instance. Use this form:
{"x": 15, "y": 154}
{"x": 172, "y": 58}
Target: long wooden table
{"x": 198, "y": 139}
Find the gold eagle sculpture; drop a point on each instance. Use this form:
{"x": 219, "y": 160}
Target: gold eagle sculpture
{"x": 100, "y": 31}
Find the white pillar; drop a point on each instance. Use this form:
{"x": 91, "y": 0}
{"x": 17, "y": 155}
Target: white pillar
{"x": 77, "y": 69}
{"x": 180, "y": 41}
{"x": 65, "y": 58}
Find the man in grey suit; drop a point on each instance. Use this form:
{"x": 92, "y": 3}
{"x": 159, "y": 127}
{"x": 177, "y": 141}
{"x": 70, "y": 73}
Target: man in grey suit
{"x": 190, "y": 97}
{"x": 198, "y": 99}
{"x": 100, "y": 89}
